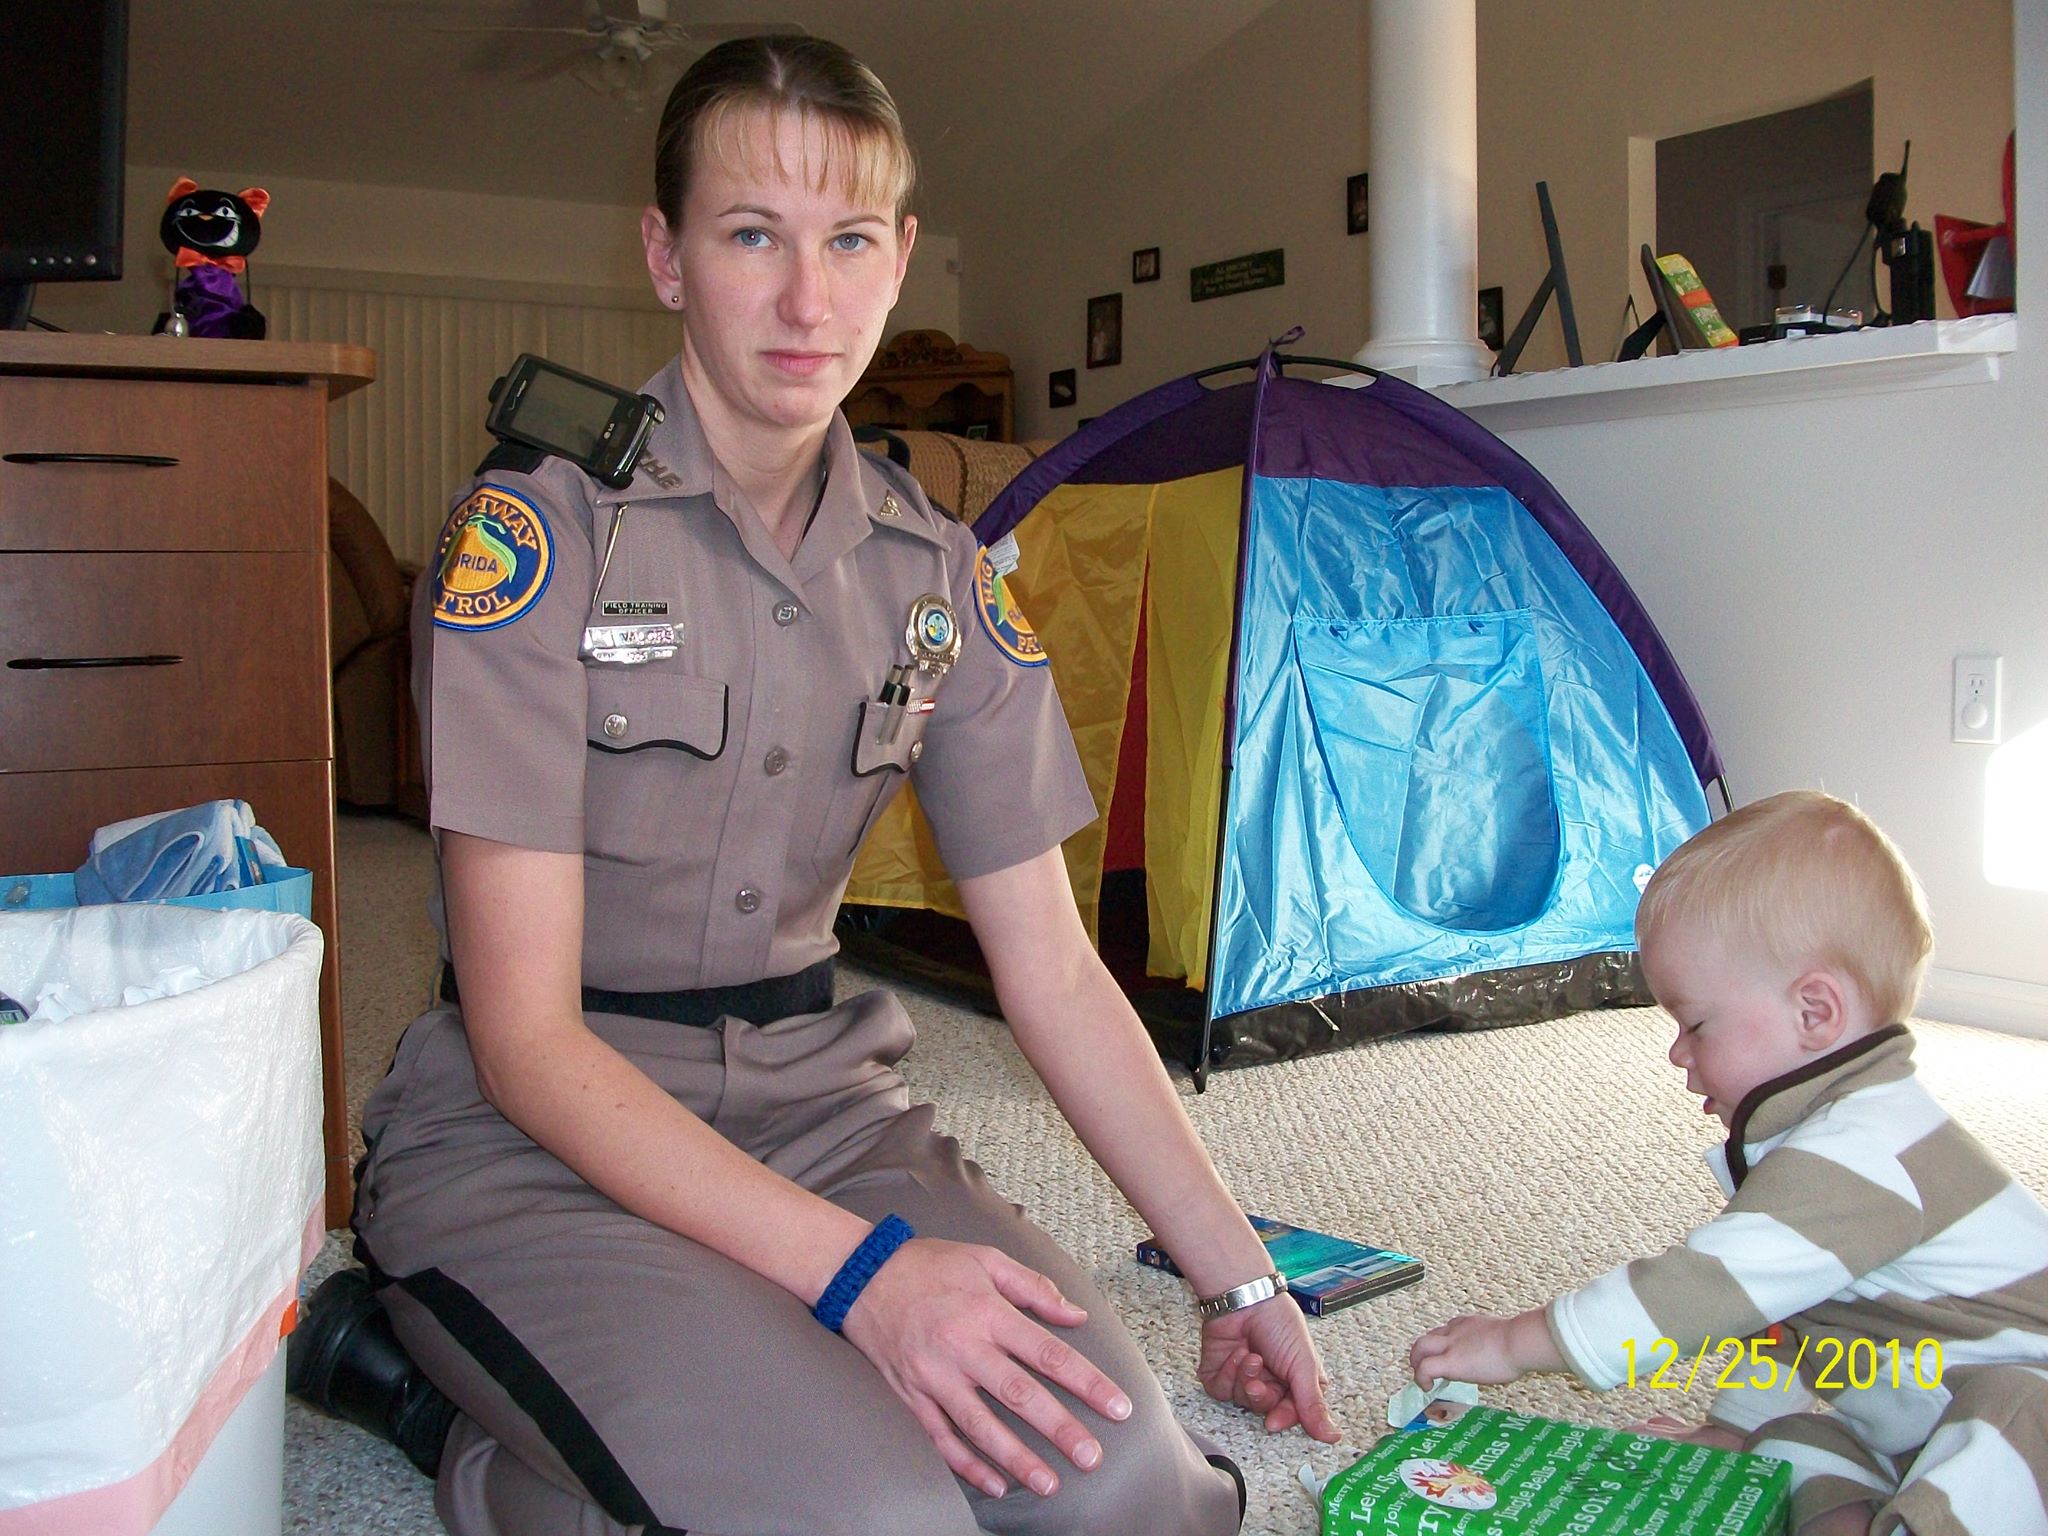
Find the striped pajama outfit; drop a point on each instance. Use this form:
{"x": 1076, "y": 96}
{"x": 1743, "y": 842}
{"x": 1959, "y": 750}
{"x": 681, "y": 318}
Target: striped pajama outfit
{"x": 1865, "y": 1221}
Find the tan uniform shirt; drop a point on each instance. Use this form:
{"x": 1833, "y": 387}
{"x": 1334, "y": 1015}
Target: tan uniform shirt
{"x": 718, "y": 794}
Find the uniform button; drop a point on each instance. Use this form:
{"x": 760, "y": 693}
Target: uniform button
{"x": 785, "y": 614}
{"x": 916, "y": 750}
{"x": 615, "y": 726}
{"x": 775, "y": 761}
{"x": 748, "y": 900}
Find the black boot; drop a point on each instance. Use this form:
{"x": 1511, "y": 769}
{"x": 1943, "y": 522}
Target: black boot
{"x": 344, "y": 1358}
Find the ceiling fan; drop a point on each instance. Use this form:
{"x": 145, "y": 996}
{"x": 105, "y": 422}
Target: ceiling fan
{"x": 615, "y": 52}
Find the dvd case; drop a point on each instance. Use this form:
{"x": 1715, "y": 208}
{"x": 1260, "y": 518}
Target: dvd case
{"x": 1323, "y": 1273}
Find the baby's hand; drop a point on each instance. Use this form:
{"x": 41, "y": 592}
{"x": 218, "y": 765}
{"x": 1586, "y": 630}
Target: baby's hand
{"x": 1484, "y": 1349}
{"x": 1464, "y": 1349}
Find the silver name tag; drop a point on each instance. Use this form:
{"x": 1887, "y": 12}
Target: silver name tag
{"x": 630, "y": 644}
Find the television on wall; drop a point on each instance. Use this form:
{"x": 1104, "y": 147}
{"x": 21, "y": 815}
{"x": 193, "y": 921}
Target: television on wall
{"x": 63, "y": 144}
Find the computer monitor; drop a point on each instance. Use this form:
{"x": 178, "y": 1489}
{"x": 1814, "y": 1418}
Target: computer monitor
{"x": 63, "y": 146}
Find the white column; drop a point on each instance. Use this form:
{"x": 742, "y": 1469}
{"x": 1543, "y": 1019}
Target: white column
{"x": 1423, "y": 113}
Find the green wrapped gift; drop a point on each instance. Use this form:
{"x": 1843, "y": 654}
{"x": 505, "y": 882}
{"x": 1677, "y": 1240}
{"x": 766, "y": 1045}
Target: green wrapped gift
{"x": 1492, "y": 1473}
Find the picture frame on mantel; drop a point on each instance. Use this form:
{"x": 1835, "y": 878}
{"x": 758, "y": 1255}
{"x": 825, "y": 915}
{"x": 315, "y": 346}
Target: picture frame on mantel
{"x": 1060, "y": 389}
{"x": 1492, "y": 317}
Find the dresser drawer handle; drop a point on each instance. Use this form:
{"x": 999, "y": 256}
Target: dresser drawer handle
{"x": 60, "y": 663}
{"x": 147, "y": 460}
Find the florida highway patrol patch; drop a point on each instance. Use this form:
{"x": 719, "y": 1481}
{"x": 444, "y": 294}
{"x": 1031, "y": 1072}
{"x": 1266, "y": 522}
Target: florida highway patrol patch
{"x": 1003, "y": 619}
{"x": 494, "y": 562}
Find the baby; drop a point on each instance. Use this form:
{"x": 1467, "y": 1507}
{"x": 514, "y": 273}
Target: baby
{"x": 1906, "y": 1270}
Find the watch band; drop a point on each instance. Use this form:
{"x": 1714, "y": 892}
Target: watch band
{"x": 1238, "y": 1297}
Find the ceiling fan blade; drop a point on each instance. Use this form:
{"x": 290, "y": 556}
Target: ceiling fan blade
{"x": 653, "y": 13}
{"x": 560, "y": 66}
{"x": 707, "y": 36}
{"x": 535, "y": 31}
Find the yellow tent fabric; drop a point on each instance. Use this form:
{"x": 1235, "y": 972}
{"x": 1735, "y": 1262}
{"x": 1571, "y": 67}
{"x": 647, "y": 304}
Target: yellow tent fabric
{"x": 1083, "y": 555}
{"x": 1187, "y": 652}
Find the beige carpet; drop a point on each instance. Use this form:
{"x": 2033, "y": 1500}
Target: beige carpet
{"x": 1515, "y": 1163}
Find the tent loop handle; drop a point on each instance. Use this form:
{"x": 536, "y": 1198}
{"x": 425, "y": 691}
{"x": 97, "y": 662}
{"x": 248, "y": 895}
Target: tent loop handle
{"x": 1283, "y": 358}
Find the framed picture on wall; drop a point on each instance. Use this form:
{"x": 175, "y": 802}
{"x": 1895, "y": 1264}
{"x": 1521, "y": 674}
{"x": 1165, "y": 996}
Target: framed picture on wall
{"x": 1145, "y": 265}
{"x": 1106, "y": 330}
{"x": 1355, "y": 204}
{"x": 1059, "y": 388}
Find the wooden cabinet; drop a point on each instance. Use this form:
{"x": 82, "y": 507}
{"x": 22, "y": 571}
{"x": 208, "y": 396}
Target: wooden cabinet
{"x": 163, "y": 606}
{"x": 925, "y": 381}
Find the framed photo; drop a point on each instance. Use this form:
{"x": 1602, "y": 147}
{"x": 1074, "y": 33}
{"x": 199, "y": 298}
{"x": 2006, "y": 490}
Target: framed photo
{"x": 1355, "y": 204}
{"x": 1490, "y": 317}
{"x": 1106, "y": 330}
{"x": 1145, "y": 265}
{"x": 1060, "y": 389}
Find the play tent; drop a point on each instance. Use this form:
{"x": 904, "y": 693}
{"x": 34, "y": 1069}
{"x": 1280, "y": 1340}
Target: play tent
{"x": 1345, "y": 670}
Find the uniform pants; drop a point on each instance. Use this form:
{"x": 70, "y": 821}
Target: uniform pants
{"x": 1983, "y": 1472}
{"x": 613, "y": 1376}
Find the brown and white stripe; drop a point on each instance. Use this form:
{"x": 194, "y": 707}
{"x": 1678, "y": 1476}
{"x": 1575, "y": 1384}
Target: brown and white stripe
{"x": 1878, "y": 1231}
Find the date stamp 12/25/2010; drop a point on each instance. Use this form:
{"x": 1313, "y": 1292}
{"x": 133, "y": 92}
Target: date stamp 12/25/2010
{"x": 1840, "y": 1364}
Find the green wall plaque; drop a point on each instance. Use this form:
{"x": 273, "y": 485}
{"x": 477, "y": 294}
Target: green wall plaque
{"x": 1239, "y": 274}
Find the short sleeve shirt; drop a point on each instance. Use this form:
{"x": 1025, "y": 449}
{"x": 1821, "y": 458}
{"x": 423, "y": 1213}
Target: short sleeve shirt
{"x": 719, "y": 790}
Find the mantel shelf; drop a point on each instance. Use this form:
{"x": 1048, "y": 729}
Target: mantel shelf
{"x": 1923, "y": 356}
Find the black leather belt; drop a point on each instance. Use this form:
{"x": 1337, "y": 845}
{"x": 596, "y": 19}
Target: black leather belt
{"x": 758, "y": 1002}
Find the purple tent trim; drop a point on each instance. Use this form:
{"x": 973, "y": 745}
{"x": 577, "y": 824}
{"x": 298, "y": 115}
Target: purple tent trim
{"x": 1309, "y": 428}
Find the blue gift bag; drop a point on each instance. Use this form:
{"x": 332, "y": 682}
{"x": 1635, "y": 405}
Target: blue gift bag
{"x": 291, "y": 890}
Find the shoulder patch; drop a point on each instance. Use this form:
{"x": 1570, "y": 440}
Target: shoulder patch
{"x": 1003, "y": 619}
{"x": 494, "y": 561}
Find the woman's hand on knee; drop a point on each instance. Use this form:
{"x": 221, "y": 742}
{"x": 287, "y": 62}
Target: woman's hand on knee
{"x": 1261, "y": 1359}
{"x": 945, "y": 1324}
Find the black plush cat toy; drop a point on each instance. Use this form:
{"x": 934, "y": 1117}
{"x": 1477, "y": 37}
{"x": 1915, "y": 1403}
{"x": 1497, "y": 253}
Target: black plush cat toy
{"x": 210, "y": 235}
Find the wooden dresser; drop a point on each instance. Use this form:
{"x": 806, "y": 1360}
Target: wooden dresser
{"x": 163, "y": 605}
{"x": 925, "y": 381}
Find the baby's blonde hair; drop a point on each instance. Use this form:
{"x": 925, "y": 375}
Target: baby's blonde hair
{"x": 1800, "y": 879}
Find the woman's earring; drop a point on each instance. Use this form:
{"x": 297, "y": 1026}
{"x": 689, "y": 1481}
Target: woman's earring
{"x": 676, "y": 299}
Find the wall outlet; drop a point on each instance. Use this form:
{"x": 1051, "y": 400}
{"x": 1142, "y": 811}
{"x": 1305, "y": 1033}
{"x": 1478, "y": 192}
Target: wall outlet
{"x": 1975, "y": 706}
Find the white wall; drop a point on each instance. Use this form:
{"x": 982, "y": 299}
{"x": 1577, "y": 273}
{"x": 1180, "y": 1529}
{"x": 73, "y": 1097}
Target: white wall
{"x": 413, "y": 239}
{"x": 1563, "y": 87}
{"x": 1249, "y": 149}
{"x": 1815, "y": 567}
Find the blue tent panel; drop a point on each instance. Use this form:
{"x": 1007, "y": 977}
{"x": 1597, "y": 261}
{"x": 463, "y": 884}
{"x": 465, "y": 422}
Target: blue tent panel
{"x": 1447, "y": 756}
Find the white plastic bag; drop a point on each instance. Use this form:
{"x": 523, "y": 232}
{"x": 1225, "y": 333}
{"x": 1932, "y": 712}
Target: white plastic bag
{"x": 160, "y": 1186}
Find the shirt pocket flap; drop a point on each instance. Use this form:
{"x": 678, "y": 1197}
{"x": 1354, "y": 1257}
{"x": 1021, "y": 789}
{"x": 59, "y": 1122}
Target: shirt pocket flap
{"x": 886, "y": 742}
{"x": 632, "y": 711}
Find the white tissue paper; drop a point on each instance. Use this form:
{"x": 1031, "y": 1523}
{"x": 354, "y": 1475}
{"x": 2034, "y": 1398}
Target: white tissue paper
{"x": 160, "y": 1186}
{"x": 1406, "y": 1405}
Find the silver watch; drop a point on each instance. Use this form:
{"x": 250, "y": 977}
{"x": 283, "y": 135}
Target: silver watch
{"x": 1238, "y": 1297}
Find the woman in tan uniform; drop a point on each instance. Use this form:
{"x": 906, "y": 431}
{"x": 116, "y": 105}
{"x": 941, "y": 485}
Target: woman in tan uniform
{"x": 650, "y": 1207}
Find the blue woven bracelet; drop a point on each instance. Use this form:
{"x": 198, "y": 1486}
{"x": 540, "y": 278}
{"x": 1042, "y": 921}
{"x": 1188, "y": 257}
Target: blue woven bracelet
{"x": 888, "y": 1234}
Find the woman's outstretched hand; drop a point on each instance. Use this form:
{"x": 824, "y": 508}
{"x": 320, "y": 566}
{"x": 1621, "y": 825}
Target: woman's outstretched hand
{"x": 944, "y": 1323}
{"x": 1261, "y": 1359}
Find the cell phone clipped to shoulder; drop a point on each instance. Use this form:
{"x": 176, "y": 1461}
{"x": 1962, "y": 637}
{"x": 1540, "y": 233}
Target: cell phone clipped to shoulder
{"x": 557, "y": 410}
